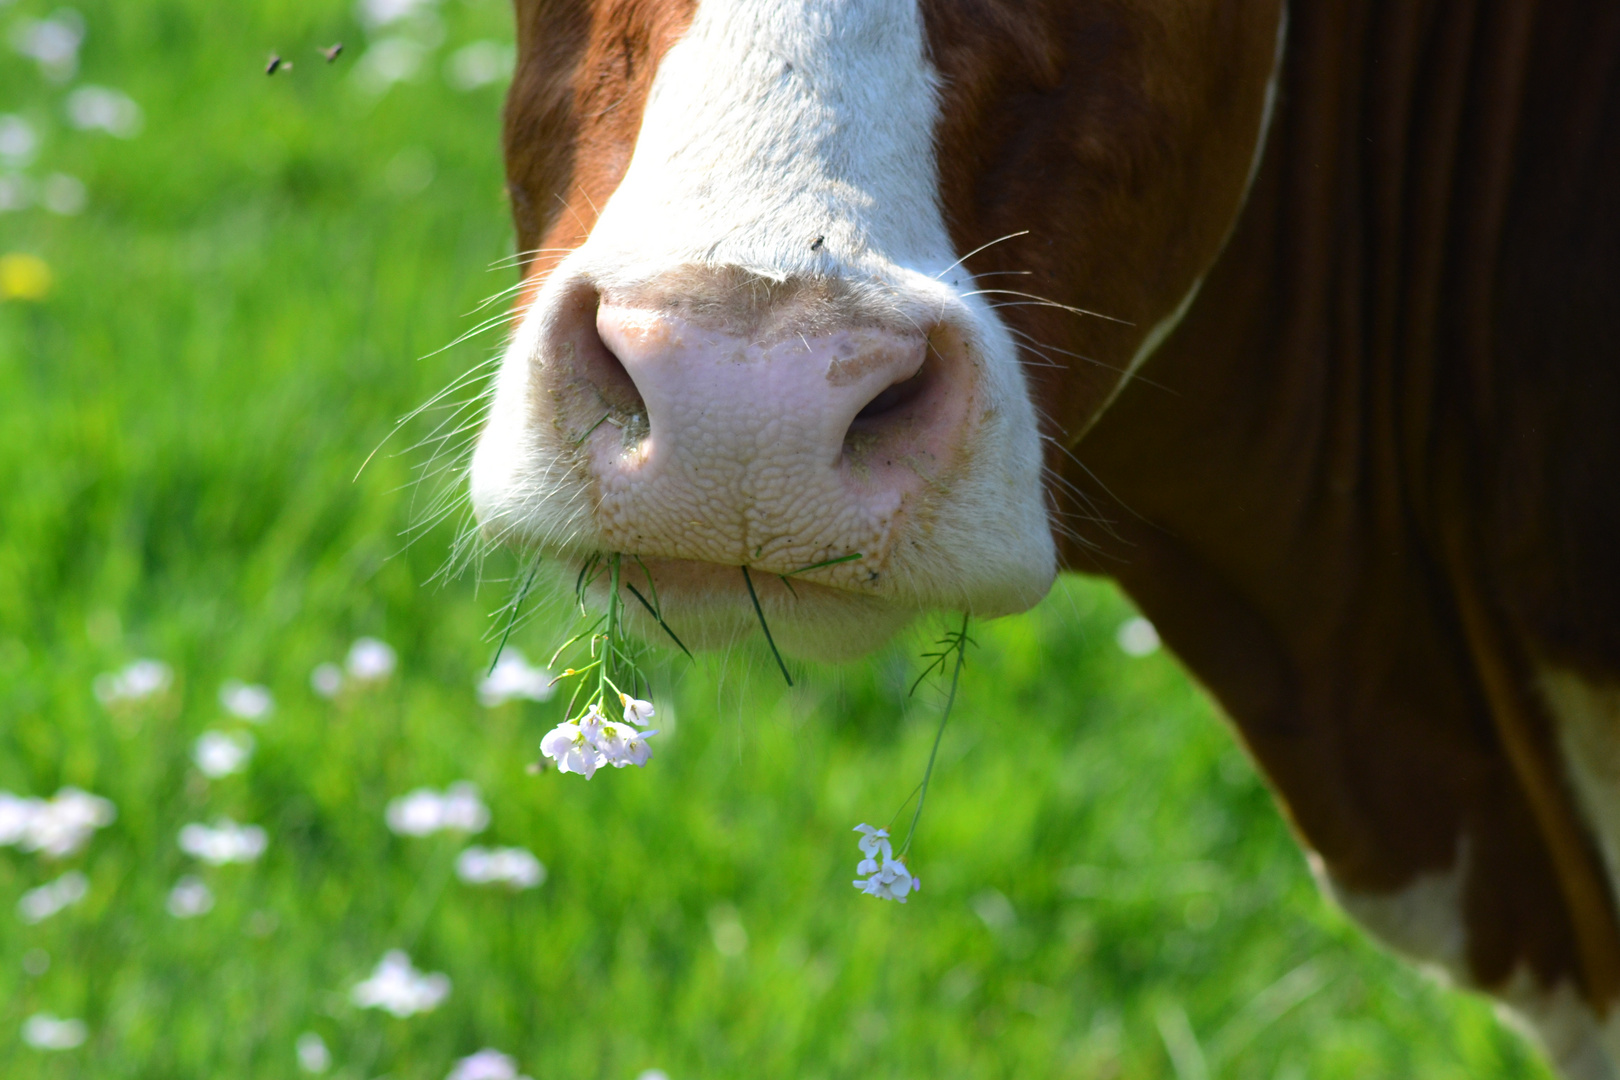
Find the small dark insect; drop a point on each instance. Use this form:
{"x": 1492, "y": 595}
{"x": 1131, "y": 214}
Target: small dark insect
{"x": 331, "y": 52}
{"x": 274, "y": 65}
{"x": 815, "y": 245}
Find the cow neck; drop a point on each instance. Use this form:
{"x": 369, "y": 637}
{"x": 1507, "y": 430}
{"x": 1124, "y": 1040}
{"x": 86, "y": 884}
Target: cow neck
{"x": 1297, "y": 486}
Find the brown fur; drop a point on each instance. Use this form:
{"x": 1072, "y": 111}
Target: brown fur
{"x": 1373, "y": 481}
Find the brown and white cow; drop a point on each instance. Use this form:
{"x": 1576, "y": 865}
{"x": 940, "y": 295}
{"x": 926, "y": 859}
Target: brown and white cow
{"x": 1303, "y": 324}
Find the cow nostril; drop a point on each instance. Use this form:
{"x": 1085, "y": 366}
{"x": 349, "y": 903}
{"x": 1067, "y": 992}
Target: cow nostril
{"x": 619, "y": 400}
{"x": 894, "y": 398}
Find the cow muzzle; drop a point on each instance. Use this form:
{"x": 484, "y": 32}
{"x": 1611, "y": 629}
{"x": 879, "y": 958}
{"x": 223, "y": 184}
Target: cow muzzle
{"x": 816, "y": 438}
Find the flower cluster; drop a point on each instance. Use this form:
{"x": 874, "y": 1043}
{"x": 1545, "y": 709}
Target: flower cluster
{"x": 425, "y": 811}
{"x": 487, "y": 1064}
{"x": 56, "y": 827}
{"x": 886, "y": 876}
{"x": 369, "y": 661}
{"x": 586, "y": 744}
{"x": 190, "y": 898}
{"x": 514, "y": 677}
{"x": 247, "y": 701}
{"x": 224, "y": 842}
{"x": 137, "y": 681}
{"x": 397, "y": 987}
{"x": 37, "y": 905}
{"x": 514, "y": 867}
{"x": 43, "y": 1031}
{"x": 221, "y": 753}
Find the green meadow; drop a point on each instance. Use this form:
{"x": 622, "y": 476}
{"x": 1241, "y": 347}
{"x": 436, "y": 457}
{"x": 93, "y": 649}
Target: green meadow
{"x": 213, "y": 308}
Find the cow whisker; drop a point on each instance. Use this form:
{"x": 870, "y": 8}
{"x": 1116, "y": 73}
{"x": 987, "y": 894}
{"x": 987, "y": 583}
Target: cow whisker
{"x": 1042, "y": 301}
{"x": 981, "y": 247}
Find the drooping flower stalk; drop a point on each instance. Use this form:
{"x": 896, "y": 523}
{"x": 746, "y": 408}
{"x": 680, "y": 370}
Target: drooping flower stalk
{"x": 886, "y": 874}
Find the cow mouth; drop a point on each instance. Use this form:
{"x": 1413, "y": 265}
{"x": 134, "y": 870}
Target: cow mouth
{"x": 707, "y": 606}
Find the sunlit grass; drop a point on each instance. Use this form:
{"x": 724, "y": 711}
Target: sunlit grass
{"x": 224, "y": 333}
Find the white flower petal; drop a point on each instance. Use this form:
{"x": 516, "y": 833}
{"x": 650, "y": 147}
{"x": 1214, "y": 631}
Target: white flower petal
{"x": 43, "y": 1031}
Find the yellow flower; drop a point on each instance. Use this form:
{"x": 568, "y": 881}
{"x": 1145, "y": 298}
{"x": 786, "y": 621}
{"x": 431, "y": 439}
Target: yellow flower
{"x": 24, "y": 277}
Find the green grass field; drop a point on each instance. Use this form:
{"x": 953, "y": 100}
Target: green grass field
{"x": 233, "y": 322}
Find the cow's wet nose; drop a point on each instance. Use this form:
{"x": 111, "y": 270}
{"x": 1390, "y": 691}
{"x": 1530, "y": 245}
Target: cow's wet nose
{"x": 777, "y": 449}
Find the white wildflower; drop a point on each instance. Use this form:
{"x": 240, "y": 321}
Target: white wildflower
{"x": 636, "y": 711}
{"x": 888, "y": 877}
{"x": 1137, "y": 637}
{"x": 397, "y": 987}
{"x": 313, "y": 1056}
{"x": 16, "y": 817}
{"x": 52, "y": 43}
{"x": 462, "y": 809}
{"x": 326, "y": 680}
{"x": 891, "y": 881}
{"x": 138, "y": 681}
{"x": 636, "y": 751}
{"x": 514, "y": 677}
{"x": 425, "y": 811}
{"x": 511, "y": 866}
{"x": 56, "y": 827}
{"x": 219, "y": 753}
{"x": 190, "y": 898}
{"x": 224, "y": 842}
{"x": 18, "y": 141}
{"x": 370, "y": 660}
{"x": 872, "y": 843}
{"x": 43, "y": 1031}
{"x": 567, "y": 746}
{"x": 37, "y": 905}
{"x": 652, "y": 1074}
{"x": 246, "y": 701}
{"x": 486, "y": 1065}
{"x": 99, "y": 108}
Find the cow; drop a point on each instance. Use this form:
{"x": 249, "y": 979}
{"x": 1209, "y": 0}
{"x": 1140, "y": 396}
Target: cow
{"x": 1300, "y": 320}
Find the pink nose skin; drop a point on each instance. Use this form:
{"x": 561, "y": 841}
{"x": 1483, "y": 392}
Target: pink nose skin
{"x": 775, "y": 454}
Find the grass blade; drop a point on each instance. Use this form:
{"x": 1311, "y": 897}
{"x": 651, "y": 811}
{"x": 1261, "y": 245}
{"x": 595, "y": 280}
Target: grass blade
{"x": 764, "y": 626}
{"x": 515, "y": 607}
{"x": 659, "y": 619}
{"x": 820, "y": 565}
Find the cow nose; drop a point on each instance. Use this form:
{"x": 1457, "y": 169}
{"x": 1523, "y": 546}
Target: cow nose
{"x": 777, "y": 450}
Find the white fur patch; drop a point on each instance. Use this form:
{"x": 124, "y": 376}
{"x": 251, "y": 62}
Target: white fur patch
{"x": 1423, "y": 922}
{"x": 1580, "y": 1045}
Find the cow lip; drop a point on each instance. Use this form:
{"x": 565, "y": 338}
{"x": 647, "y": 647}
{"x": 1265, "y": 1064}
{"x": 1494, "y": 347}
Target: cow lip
{"x": 688, "y": 579}
{"x": 705, "y": 606}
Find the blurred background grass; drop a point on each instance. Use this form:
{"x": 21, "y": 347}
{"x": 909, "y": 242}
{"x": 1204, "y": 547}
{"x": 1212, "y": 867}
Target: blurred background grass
{"x": 233, "y": 321}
